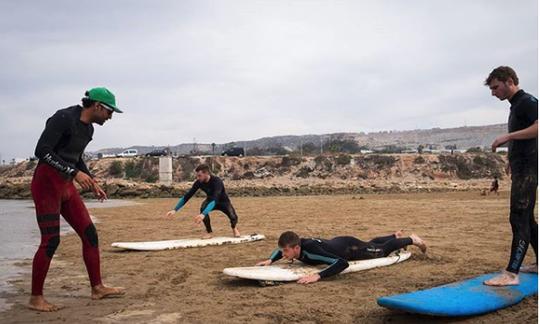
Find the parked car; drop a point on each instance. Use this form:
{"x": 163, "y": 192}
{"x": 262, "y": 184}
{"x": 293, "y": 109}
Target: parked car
{"x": 158, "y": 153}
{"x": 235, "y": 151}
{"x": 105, "y": 155}
{"x": 128, "y": 153}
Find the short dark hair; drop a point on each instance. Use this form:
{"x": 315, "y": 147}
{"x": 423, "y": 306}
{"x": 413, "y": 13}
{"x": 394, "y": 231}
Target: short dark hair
{"x": 288, "y": 239}
{"x": 502, "y": 73}
{"x": 203, "y": 168}
{"x": 87, "y": 103}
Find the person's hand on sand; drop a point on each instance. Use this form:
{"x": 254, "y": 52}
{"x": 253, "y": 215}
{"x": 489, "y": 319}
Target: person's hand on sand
{"x": 199, "y": 218}
{"x": 309, "y": 279}
{"x": 171, "y": 213}
{"x": 264, "y": 263}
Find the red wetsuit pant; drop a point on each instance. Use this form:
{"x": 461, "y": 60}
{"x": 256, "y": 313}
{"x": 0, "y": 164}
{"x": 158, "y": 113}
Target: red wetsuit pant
{"x": 53, "y": 195}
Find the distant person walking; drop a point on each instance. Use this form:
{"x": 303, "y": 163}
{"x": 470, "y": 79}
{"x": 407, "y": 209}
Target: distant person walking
{"x": 523, "y": 164}
{"x": 59, "y": 150}
{"x": 494, "y": 186}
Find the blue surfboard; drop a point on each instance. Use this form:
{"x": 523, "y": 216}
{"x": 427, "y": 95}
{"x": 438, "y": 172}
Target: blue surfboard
{"x": 463, "y": 298}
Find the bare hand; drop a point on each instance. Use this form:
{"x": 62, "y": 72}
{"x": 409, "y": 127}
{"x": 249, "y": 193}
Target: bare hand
{"x": 499, "y": 141}
{"x": 171, "y": 213}
{"x": 199, "y": 218}
{"x": 100, "y": 193}
{"x": 309, "y": 279}
{"x": 264, "y": 263}
{"x": 84, "y": 180}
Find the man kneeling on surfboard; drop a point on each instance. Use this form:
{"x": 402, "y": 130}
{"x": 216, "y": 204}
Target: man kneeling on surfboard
{"x": 337, "y": 251}
{"x": 217, "y": 199}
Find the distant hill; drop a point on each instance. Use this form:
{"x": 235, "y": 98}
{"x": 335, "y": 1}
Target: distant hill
{"x": 436, "y": 138}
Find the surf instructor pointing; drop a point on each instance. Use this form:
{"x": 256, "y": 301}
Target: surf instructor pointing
{"x": 59, "y": 150}
{"x": 523, "y": 164}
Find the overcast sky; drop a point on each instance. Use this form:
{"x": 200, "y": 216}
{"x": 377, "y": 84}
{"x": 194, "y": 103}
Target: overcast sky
{"x": 220, "y": 71}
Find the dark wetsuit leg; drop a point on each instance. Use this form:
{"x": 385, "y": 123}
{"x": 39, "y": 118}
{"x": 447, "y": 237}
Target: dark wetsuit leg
{"x": 392, "y": 245}
{"x": 383, "y": 239}
{"x": 228, "y": 209}
{"x": 522, "y": 202}
{"x": 356, "y": 249}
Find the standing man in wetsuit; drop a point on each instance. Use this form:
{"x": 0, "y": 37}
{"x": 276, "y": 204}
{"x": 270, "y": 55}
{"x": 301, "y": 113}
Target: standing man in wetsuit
{"x": 523, "y": 164}
{"x": 59, "y": 150}
{"x": 216, "y": 199}
{"x": 337, "y": 251}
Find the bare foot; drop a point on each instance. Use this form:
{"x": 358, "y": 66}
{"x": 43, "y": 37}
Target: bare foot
{"x": 236, "y": 232}
{"x": 207, "y": 236}
{"x": 40, "y": 304}
{"x": 399, "y": 234}
{"x": 101, "y": 291}
{"x": 531, "y": 268}
{"x": 504, "y": 279}
{"x": 417, "y": 241}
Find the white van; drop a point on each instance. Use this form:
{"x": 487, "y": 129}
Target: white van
{"x": 128, "y": 153}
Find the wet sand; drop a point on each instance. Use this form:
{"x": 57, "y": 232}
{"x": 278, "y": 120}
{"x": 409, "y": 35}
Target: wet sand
{"x": 468, "y": 234}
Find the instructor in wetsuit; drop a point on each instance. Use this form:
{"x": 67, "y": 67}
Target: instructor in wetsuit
{"x": 337, "y": 252}
{"x": 522, "y": 139}
{"x": 59, "y": 150}
{"x": 216, "y": 199}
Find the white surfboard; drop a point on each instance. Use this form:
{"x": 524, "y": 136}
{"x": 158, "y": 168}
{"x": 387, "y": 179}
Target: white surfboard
{"x": 296, "y": 270}
{"x": 185, "y": 243}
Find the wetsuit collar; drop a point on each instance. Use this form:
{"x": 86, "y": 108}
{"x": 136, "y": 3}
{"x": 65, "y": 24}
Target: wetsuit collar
{"x": 301, "y": 249}
{"x": 516, "y": 96}
{"x": 209, "y": 178}
{"x": 79, "y": 110}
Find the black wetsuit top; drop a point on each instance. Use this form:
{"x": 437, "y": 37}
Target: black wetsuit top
{"x": 316, "y": 251}
{"x": 63, "y": 141}
{"x": 337, "y": 251}
{"x": 523, "y": 113}
{"x": 215, "y": 192}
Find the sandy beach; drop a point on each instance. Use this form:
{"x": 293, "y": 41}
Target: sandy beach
{"x": 468, "y": 234}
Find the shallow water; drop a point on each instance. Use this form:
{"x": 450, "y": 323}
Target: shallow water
{"x": 20, "y": 236}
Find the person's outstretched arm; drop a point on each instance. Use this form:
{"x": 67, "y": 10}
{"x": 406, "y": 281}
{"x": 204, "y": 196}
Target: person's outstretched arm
{"x": 184, "y": 199}
{"x": 276, "y": 255}
{"x": 336, "y": 264}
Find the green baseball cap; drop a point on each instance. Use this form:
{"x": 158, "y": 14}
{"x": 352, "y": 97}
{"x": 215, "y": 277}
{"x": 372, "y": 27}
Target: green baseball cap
{"x": 104, "y": 96}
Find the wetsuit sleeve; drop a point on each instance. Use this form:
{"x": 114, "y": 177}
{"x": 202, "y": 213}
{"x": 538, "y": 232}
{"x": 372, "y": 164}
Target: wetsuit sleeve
{"x": 54, "y": 129}
{"x": 209, "y": 208}
{"x": 81, "y": 165}
{"x": 184, "y": 199}
{"x": 337, "y": 264}
{"x": 276, "y": 255}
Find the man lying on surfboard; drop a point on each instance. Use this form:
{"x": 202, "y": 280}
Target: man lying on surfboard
{"x": 216, "y": 199}
{"x": 337, "y": 251}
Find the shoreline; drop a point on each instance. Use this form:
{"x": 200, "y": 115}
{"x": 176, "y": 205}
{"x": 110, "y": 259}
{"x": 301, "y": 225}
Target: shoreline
{"x": 183, "y": 285}
{"x": 18, "y": 267}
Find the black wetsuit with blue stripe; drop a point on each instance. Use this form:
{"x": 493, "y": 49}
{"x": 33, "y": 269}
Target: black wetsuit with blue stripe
{"x": 216, "y": 199}
{"x": 338, "y": 251}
